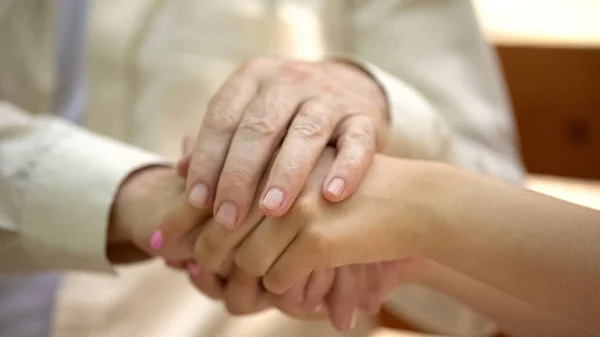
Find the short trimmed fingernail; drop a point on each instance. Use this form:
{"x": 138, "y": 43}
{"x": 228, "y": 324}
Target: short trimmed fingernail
{"x": 198, "y": 195}
{"x": 193, "y": 268}
{"x": 227, "y": 214}
{"x": 318, "y": 308}
{"x": 336, "y": 187}
{"x": 273, "y": 199}
{"x": 156, "y": 240}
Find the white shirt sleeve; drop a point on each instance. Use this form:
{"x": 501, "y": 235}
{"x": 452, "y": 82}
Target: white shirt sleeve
{"x": 445, "y": 92}
{"x": 57, "y": 185}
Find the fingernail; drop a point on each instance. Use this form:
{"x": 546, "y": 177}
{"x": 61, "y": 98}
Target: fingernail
{"x": 156, "y": 241}
{"x": 336, "y": 187}
{"x": 193, "y": 268}
{"x": 273, "y": 199}
{"x": 198, "y": 196}
{"x": 352, "y": 320}
{"x": 227, "y": 214}
{"x": 318, "y": 308}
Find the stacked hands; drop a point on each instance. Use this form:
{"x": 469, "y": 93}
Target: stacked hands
{"x": 281, "y": 201}
{"x": 283, "y": 204}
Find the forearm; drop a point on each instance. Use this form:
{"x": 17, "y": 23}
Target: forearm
{"x": 517, "y": 241}
{"x": 513, "y": 316}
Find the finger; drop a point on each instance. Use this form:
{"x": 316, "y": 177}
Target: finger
{"x": 304, "y": 142}
{"x": 371, "y": 301}
{"x": 182, "y": 167}
{"x": 264, "y": 245}
{"x": 296, "y": 262}
{"x": 295, "y": 296}
{"x": 244, "y": 294}
{"x": 207, "y": 282}
{"x": 344, "y": 298}
{"x": 214, "y": 137}
{"x": 187, "y": 147}
{"x": 319, "y": 285}
{"x": 188, "y": 144}
{"x": 356, "y": 148}
{"x": 215, "y": 244}
{"x": 174, "y": 238}
{"x": 260, "y": 131}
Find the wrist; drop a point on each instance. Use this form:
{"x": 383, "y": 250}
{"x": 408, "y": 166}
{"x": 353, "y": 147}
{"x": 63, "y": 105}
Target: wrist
{"x": 418, "y": 189}
{"x": 139, "y": 192}
{"x": 440, "y": 197}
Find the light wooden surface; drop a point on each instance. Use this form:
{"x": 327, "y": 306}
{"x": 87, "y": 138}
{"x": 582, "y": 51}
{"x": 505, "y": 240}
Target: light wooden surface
{"x": 553, "y": 22}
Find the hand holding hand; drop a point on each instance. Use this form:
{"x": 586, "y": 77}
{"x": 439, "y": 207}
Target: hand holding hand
{"x": 342, "y": 290}
{"x": 371, "y": 226}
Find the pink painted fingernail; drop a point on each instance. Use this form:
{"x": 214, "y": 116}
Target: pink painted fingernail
{"x": 156, "y": 241}
{"x": 198, "y": 196}
{"x": 273, "y": 199}
{"x": 193, "y": 268}
{"x": 336, "y": 187}
{"x": 227, "y": 215}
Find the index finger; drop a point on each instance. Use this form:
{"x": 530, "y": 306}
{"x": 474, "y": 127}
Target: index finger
{"x": 214, "y": 137}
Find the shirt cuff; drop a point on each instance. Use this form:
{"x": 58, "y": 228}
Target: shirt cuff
{"x": 417, "y": 131}
{"x": 73, "y": 186}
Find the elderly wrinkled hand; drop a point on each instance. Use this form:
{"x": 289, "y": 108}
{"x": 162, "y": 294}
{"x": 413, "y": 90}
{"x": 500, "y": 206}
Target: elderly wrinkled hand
{"x": 298, "y": 107}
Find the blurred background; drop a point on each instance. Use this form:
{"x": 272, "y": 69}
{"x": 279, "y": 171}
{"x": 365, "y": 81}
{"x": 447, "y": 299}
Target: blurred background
{"x": 550, "y": 52}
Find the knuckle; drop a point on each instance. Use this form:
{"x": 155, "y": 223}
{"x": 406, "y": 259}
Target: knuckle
{"x": 209, "y": 252}
{"x": 275, "y": 282}
{"x": 252, "y": 264}
{"x": 306, "y": 130}
{"x": 312, "y": 122}
{"x": 221, "y": 120}
{"x": 236, "y": 178}
{"x": 260, "y": 126}
{"x": 361, "y": 135}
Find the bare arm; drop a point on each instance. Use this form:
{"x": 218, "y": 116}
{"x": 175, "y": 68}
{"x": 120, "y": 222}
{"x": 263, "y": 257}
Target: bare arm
{"x": 536, "y": 248}
{"x": 512, "y": 315}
